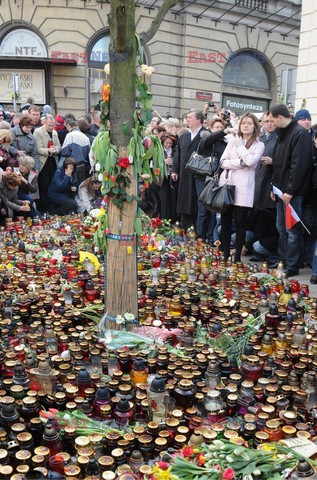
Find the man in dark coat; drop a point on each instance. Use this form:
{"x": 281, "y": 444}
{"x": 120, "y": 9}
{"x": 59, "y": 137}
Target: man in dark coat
{"x": 303, "y": 118}
{"x": 187, "y": 144}
{"x": 263, "y": 172}
{"x": 291, "y": 175}
{"x": 310, "y": 216}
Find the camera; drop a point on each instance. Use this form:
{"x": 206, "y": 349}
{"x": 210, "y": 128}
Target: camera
{"x": 211, "y": 104}
{"x": 226, "y": 114}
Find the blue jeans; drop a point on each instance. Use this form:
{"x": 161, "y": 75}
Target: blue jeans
{"x": 206, "y": 220}
{"x": 263, "y": 254}
{"x": 248, "y": 237}
{"x": 33, "y": 212}
{"x": 217, "y": 227}
{"x": 290, "y": 241}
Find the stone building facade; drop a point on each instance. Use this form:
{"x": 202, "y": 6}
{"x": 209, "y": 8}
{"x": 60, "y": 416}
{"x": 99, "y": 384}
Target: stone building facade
{"x": 306, "y": 88}
{"x": 241, "y": 54}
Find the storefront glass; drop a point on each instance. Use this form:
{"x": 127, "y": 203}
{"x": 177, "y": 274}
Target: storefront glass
{"x": 98, "y": 58}
{"x": 246, "y": 70}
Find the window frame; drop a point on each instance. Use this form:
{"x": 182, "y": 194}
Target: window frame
{"x": 256, "y": 56}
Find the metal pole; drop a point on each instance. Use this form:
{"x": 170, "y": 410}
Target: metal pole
{"x": 16, "y": 88}
{"x": 14, "y": 92}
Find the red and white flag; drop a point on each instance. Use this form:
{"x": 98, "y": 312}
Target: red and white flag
{"x": 291, "y": 217}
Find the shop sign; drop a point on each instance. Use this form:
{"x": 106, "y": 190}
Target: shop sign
{"x": 32, "y": 84}
{"x": 203, "y": 95}
{"x": 241, "y": 105}
{"x": 22, "y": 42}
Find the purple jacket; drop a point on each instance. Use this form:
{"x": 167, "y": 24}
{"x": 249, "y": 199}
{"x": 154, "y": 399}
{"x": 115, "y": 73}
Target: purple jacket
{"x": 240, "y": 164}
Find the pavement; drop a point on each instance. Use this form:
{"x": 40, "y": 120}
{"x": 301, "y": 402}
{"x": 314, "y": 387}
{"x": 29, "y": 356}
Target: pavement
{"x": 303, "y": 277}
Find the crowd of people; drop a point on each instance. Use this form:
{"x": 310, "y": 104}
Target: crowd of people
{"x": 45, "y": 162}
{"x": 47, "y": 166}
{"x": 276, "y": 154}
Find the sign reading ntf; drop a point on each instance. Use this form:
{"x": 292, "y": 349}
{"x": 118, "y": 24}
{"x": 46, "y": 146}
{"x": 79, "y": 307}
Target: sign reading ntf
{"x": 26, "y": 51}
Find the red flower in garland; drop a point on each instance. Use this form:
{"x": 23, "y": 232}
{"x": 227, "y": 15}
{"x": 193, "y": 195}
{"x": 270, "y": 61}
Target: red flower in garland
{"x": 156, "y": 222}
{"x": 201, "y": 459}
{"x": 144, "y": 238}
{"x": 228, "y": 474}
{"x": 105, "y": 92}
{"x": 188, "y": 451}
{"x": 124, "y": 162}
{"x": 162, "y": 465}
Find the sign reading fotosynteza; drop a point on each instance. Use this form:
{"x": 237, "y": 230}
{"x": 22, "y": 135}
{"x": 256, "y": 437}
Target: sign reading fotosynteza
{"x": 22, "y": 42}
{"x": 241, "y": 105}
{"x": 32, "y": 84}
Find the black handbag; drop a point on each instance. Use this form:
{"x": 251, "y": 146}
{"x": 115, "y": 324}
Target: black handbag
{"x": 199, "y": 165}
{"x": 217, "y": 199}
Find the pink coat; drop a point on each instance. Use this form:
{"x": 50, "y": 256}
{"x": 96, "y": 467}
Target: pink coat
{"x": 240, "y": 164}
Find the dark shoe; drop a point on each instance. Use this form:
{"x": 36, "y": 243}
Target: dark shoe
{"x": 291, "y": 273}
{"x": 313, "y": 279}
{"x": 253, "y": 259}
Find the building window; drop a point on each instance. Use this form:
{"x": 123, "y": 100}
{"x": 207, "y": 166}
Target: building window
{"x": 246, "y": 70}
{"x": 288, "y": 86}
{"x": 99, "y": 52}
{"x": 260, "y": 5}
{"x": 98, "y": 58}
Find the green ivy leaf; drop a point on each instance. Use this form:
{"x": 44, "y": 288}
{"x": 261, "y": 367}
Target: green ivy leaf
{"x": 126, "y": 128}
{"x": 146, "y": 115}
{"x": 138, "y": 225}
{"x": 116, "y": 190}
{"x": 104, "y": 105}
{"x": 130, "y": 198}
{"x": 117, "y": 202}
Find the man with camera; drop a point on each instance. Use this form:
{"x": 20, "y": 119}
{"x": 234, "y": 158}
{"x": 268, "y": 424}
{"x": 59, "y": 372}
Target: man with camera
{"x": 228, "y": 117}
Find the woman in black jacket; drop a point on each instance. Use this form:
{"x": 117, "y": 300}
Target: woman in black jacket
{"x": 211, "y": 145}
{"x": 168, "y": 190}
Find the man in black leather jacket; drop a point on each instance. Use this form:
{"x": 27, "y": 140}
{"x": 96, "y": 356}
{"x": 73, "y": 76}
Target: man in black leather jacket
{"x": 291, "y": 174}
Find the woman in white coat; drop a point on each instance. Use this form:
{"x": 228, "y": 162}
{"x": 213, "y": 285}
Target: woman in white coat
{"x": 239, "y": 162}
{"x": 88, "y": 193}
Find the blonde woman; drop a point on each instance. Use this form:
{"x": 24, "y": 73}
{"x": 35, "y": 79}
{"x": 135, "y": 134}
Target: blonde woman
{"x": 5, "y": 140}
{"x": 171, "y": 126}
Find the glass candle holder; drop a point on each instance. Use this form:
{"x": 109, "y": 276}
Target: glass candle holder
{"x": 56, "y": 463}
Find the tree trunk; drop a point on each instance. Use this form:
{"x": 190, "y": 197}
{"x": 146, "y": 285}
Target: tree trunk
{"x": 121, "y": 264}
